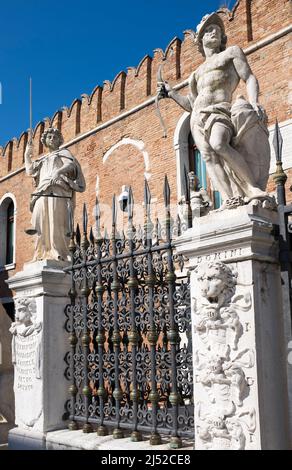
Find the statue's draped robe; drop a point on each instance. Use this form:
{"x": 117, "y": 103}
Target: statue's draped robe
{"x": 249, "y": 136}
{"x": 52, "y": 216}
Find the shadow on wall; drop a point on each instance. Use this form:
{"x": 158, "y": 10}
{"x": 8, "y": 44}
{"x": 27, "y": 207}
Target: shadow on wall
{"x": 6, "y": 378}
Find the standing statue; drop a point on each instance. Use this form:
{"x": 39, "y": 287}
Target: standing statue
{"x": 232, "y": 138}
{"x": 57, "y": 177}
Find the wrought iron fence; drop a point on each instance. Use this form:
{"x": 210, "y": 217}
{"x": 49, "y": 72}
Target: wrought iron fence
{"x": 285, "y": 224}
{"x": 129, "y": 325}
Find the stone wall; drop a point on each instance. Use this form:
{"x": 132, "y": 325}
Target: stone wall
{"x": 115, "y": 132}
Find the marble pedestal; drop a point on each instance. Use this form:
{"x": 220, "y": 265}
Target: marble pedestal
{"x": 6, "y": 378}
{"x": 38, "y": 349}
{"x": 239, "y": 348}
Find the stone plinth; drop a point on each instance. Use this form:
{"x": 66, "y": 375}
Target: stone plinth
{"x": 77, "y": 440}
{"x": 38, "y": 349}
{"x": 239, "y": 350}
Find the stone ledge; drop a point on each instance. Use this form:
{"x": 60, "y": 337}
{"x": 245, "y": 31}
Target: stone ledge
{"x": 232, "y": 235}
{"x": 24, "y": 439}
{"x": 77, "y": 440}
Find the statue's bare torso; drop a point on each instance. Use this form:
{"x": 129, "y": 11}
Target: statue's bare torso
{"x": 215, "y": 80}
{"x": 212, "y": 87}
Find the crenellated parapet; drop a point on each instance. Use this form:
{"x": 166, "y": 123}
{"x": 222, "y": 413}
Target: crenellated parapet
{"x": 135, "y": 86}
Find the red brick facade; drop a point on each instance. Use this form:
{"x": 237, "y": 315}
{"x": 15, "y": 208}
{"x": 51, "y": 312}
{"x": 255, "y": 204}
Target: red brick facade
{"x": 260, "y": 27}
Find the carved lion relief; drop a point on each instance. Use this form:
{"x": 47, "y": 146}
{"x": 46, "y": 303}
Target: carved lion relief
{"x": 221, "y": 368}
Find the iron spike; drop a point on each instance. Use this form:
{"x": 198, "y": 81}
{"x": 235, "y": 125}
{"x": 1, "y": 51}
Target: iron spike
{"x": 114, "y": 211}
{"x": 91, "y": 237}
{"x": 278, "y": 142}
{"x": 78, "y": 235}
{"x": 166, "y": 192}
{"x": 130, "y": 204}
{"x": 186, "y": 184}
{"x": 147, "y": 196}
{"x": 85, "y": 218}
{"x": 97, "y": 218}
{"x": 158, "y": 229}
{"x": 178, "y": 223}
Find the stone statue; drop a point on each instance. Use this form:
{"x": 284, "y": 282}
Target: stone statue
{"x": 232, "y": 138}
{"x": 57, "y": 177}
{"x": 199, "y": 198}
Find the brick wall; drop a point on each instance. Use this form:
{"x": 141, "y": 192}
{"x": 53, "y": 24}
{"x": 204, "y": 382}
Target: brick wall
{"x": 249, "y": 22}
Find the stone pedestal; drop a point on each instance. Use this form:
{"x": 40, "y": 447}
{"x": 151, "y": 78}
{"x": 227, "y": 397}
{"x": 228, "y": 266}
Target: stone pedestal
{"x": 6, "y": 378}
{"x": 38, "y": 350}
{"x": 239, "y": 350}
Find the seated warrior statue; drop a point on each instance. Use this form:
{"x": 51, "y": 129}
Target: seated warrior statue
{"x": 57, "y": 177}
{"x": 232, "y": 139}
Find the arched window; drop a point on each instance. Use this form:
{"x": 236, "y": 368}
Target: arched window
{"x": 188, "y": 158}
{"x": 198, "y": 166}
{"x": 7, "y": 232}
{"x": 10, "y": 233}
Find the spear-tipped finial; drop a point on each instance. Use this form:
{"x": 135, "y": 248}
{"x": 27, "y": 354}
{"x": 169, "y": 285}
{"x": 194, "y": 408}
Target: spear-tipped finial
{"x": 178, "y": 225}
{"x": 186, "y": 185}
{"x": 97, "y": 217}
{"x": 85, "y": 219}
{"x": 130, "y": 204}
{"x": 114, "y": 211}
{"x": 280, "y": 176}
{"x": 78, "y": 235}
{"x": 166, "y": 192}
{"x": 278, "y": 142}
{"x": 91, "y": 237}
{"x": 147, "y": 196}
{"x": 187, "y": 196}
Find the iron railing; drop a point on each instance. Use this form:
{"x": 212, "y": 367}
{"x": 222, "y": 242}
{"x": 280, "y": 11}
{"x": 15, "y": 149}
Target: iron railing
{"x": 285, "y": 224}
{"x": 129, "y": 325}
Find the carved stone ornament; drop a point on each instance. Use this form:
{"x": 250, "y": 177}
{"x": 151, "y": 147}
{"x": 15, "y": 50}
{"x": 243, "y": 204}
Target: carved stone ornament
{"x": 26, "y": 322}
{"x": 199, "y": 198}
{"x": 27, "y": 359}
{"x": 223, "y": 420}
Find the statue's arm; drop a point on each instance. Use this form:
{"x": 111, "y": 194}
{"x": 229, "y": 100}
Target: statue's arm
{"x": 30, "y": 166}
{"x": 244, "y": 72}
{"x": 167, "y": 92}
{"x": 193, "y": 88}
{"x": 66, "y": 169}
{"x": 183, "y": 101}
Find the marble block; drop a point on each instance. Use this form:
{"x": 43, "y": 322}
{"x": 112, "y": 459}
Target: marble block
{"x": 6, "y": 378}
{"x": 239, "y": 347}
{"x": 38, "y": 350}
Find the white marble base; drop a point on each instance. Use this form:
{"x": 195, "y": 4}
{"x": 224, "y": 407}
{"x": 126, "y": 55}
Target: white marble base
{"x": 77, "y": 440}
{"x": 26, "y": 439}
{"x": 39, "y": 345}
{"x": 240, "y": 360}
{"x": 64, "y": 439}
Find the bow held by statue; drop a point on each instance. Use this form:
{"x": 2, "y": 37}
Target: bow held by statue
{"x": 162, "y": 92}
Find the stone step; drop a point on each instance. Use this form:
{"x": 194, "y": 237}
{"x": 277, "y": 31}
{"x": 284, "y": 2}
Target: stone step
{"x": 77, "y": 440}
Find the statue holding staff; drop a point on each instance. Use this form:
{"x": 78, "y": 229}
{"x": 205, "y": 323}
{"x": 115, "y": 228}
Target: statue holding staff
{"x": 232, "y": 138}
{"x": 58, "y": 176}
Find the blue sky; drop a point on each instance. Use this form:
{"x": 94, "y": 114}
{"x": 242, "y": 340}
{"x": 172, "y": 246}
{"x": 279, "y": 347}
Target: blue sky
{"x": 69, "y": 47}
